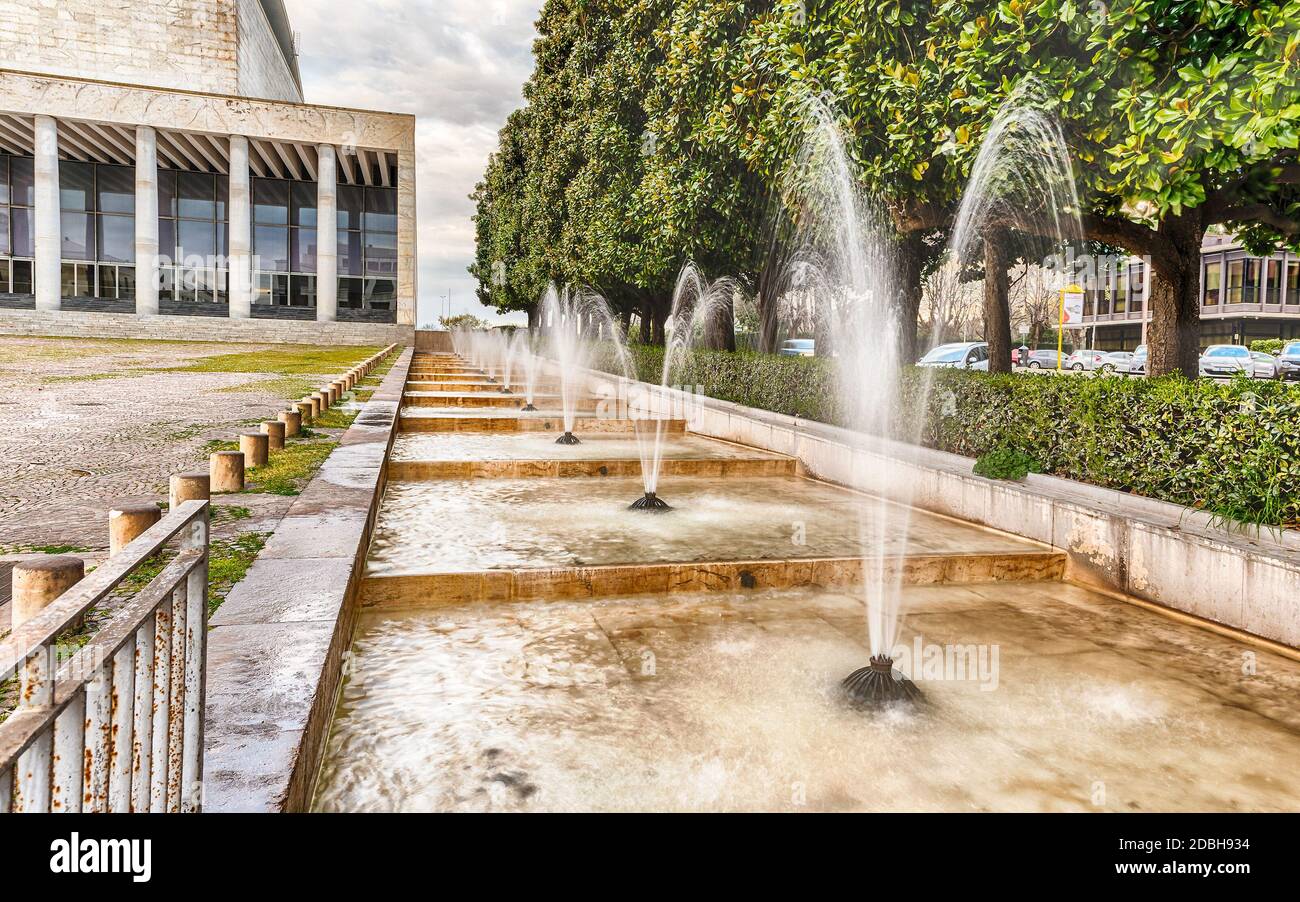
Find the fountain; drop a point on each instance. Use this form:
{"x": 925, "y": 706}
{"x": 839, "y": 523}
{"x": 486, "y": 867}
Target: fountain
{"x": 696, "y": 304}
{"x": 569, "y": 317}
{"x": 843, "y": 267}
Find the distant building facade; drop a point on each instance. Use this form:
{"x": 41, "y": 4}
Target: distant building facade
{"x": 157, "y": 158}
{"x": 1243, "y": 298}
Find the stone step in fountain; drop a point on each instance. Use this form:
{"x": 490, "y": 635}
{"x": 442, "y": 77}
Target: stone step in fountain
{"x": 419, "y": 457}
{"x": 488, "y": 399}
{"x": 419, "y": 419}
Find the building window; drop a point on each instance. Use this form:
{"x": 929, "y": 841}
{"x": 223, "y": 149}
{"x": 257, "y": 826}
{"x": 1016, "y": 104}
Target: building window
{"x": 1243, "y": 281}
{"x": 1293, "y": 282}
{"x": 286, "y": 245}
{"x": 1213, "y": 281}
{"x": 193, "y": 236}
{"x": 17, "y": 190}
{"x": 97, "y": 230}
{"x": 1272, "y": 281}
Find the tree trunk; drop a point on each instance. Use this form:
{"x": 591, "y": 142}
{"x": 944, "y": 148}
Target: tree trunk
{"x": 720, "y": 330}
{"x": 624, "y": 323}
{"x": 1174, "y": 337}
{"x": 909, "y": 294}
{"x": 532, "y": 319}
{"x": 768, "y": 295}
{"x": 647, "y": 318}
{"x": 659, "y": 316}
{"x": 997, "y": 309}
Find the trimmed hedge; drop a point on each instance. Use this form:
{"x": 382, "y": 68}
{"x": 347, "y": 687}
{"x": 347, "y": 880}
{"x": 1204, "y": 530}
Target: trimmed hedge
{"x": 1229, "y": 448}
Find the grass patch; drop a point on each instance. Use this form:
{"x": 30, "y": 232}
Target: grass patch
{"x": 282, "y": 386}
{"x": 228, "y": 561}
{"x": 289, "y": 470}
{"x": 364, "y": 394}
{"x": 231, "y": 512}
{"x": 83, "y": 377}
{"x": 284, "y": 360}
{"x": 334, "y": 418}
{"x": 43, "y": 549}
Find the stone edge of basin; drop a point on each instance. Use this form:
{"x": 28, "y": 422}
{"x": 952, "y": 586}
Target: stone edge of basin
{"x": 276, "y": 645}
{"x": 1154, "y": 551}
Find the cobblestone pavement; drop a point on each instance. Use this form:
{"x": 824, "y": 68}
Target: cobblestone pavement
{"x": 83, "y": 424}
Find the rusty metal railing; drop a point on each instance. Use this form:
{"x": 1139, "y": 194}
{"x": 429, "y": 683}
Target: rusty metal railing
{"x": 118, "y": 726}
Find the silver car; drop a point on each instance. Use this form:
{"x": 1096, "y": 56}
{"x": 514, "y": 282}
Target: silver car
{"x": 798, "y": 347}
{"x": 1265, "y": 365}
{"x": 1043, "y": 359}
{"x": 970, "y": 355}
{"x": 1223, "y": 361}
{"x": 1117, "y": 362}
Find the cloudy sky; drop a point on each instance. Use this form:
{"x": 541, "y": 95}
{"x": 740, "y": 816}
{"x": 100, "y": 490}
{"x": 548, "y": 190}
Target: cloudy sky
{"x": 458, "y": 65}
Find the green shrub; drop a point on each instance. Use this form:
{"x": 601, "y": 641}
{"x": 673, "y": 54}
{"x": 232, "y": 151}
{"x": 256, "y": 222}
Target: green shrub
{"x": 1232, "y": 449}
{"x": 1006, "y": 463}
{"x": 1267, "y": 345}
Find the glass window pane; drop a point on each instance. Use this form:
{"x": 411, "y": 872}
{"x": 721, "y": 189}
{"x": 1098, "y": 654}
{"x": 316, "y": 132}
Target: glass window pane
{"x": 76, "y": 185}
{"x": 117, "y": 239}
{"x": 196, "y": 195}
{"x": 166, "y": 241}
{"x": 380, "y": 294}
{"x": 303, "y": 252}
{"x": 22, "y": 181}
{"x": 20, "y": 227}
{"x": 381, "y": 210}
{"x": 280, "y": 290}
{"x": 4, "y": 186}
{"x": 126, "y": 282}
{"x": 223, "y": 195}
{"x": 270, "y": 201}
{"x": 1293, "y": 282}
{"x": 4, "y": 231}
{"x": 302, "y": 291}
{"x": 349, "y": 253}
{"x": 166, "y": 283}
{"x": 166, "y": 192}
{"x": 271, "y": 248}
{"x": 115, "y": 186}
{"x": 381, "y": 254}
{"x": 351, "y": 293}
{"x": 304, "y": 203}
{"x": 22, "y": 283}
{"x": 196, "y": 242}
{"x": 4, "y": 276}
{"x": 1213, "y": 283}
{"x": 262, "y": 293}
{"x": 351, "y": 203}
{"x": 68, "y": 281}
{"x": 78, "y": 236}
{"x": 107, "y": 287}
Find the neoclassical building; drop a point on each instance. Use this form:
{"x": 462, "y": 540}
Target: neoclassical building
{"x": 160, "y": 175}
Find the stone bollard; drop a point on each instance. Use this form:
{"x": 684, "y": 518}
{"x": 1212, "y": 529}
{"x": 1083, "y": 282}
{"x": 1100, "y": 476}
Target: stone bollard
{"x": 196, "y": 486}
{"x": 226, "y": 469}
{"x": 314, "y": 403}
{"x": 36, "y": 583}
{"x": 274, "y": 431}
{"x": 323, "y": 399}
{"x": 304, "y": 409}
{"x": 255, "y": 447}
{"x": 339, "y": 388}
{"x": 292, "y": 420}
{"x": 127, "y": 521}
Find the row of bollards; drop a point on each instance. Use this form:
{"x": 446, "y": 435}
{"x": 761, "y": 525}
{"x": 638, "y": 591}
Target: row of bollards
{"x": 39, "y": 581}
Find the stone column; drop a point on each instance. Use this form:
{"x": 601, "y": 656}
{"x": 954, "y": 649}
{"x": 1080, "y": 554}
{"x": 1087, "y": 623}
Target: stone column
{"x": 407, "y": 252}
{"x": 327, "y": 241}
{"x": 240, "y": 211}
{"x": 47, "y": 269}
{"x": 37, "y": 583}
{"x": 146, "y": 221}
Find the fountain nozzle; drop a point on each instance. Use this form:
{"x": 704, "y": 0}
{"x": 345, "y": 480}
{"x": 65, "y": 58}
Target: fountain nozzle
{"x": 567, "y": 439}
{"x": 877, "y": 685}
{"x": 528, "y": 407}
{"x": 650, "y": 502}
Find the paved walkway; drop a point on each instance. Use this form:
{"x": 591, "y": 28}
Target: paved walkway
{"x": 86, "y": 423}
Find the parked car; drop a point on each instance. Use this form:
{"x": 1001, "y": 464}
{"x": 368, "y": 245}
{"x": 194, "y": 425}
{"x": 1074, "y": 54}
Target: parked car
{"x": 1043, "y": 359}
{"x": 971, "y": 355}
{"x": 1265, "y": 365}
{"x": 1117, "y": 362}
{"x": 1084, "y": 359}
{"x": 1226, "y": 360}
{"x": 1288, "y": 361}
{"x": 1137, "y": 366}
{"x": 798, "y": 347}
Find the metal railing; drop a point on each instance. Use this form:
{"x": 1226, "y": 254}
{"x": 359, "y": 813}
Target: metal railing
{"x": 117, "y": 727}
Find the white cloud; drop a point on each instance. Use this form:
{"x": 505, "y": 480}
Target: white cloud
{"x": 458, "y": 66}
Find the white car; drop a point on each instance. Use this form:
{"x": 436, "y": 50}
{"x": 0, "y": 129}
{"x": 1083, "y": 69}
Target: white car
{"x": 1265, "y": 365}
{"x": 1222, "y": 361}
{"x": 969, "y": 355}
{"x": 1085, "y": 360}
{"x": 1117, "y": 362}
